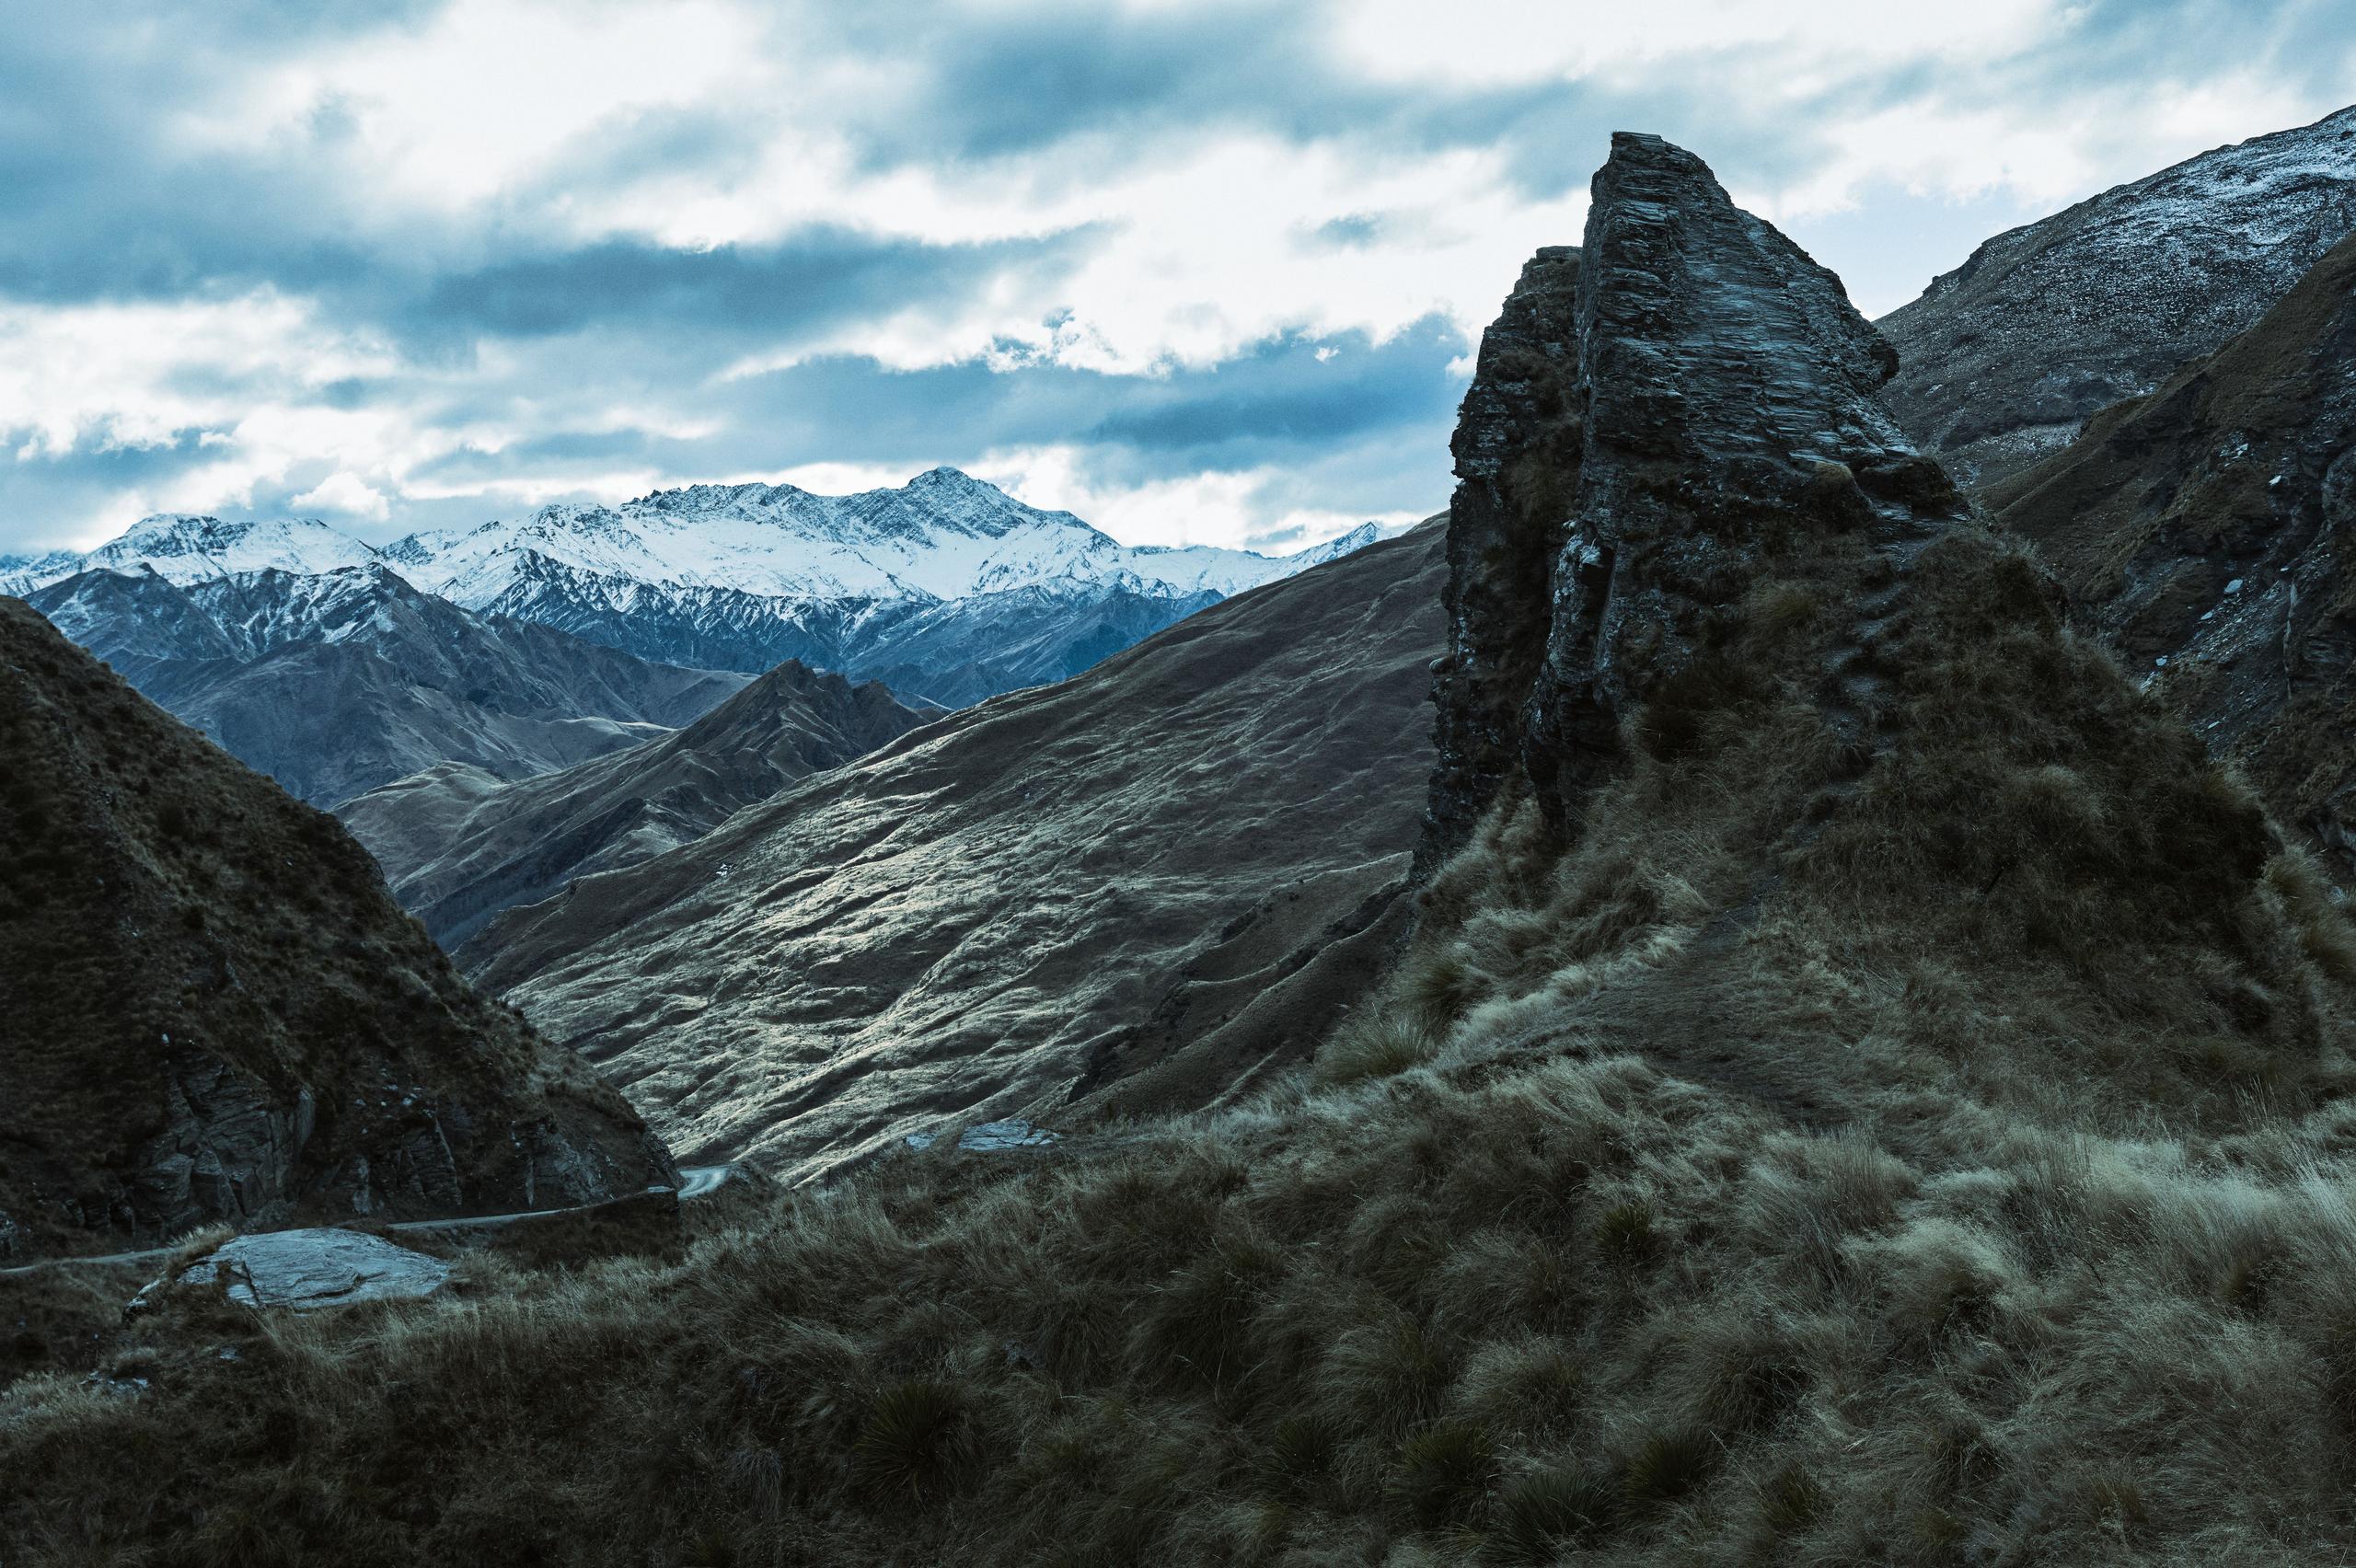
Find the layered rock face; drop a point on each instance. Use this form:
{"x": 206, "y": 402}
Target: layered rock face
{"x": 2205, "y": 532}
{"x": 459, "y": 845}
{"x": 1651, "y": 418}
{"x": 212, "y": 1010}
{"x": 2006, "y": 356}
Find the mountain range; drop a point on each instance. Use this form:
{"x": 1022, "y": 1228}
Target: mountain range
{"x": 946, "y": 588}
{"x": 518, "y": 648}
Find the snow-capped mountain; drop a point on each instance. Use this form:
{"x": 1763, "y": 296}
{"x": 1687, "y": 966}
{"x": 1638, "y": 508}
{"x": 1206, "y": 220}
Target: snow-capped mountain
{"x": 182, "y": 548}
{"x": 2002, "y": 360}
{"x": 944, "y": 534}
{"x": 946, "y": 586}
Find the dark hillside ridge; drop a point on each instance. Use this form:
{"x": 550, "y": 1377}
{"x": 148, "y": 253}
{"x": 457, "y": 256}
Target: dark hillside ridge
{"x": 211, "y": 1008}
{"x": 2205, "y": 530}
{"x": 458, "y": 846}
{"x": 2005, "y": 357}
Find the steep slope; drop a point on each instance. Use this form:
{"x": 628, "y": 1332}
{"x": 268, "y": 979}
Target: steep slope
{"x": 210, "y": 1007}
{"x": 2002, "y": 359}
{"x": 2204, "y": 530}
{"x": 1177, "y": 865}
{"x": 338, "y": 681}
{"x": 1870, "y": 1091}
{"x": 458, "y": 845}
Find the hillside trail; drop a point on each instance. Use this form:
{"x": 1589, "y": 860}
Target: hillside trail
{"x": 695, "y": 1181}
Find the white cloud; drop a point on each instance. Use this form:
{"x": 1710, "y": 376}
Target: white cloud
{"x": 345, "y": 493}
{"x": 1231, "y": 509}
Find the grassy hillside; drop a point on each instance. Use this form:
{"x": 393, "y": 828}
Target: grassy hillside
{"x": 1963, "y": 1183}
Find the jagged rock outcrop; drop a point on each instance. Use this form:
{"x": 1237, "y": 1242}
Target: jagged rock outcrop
{"x": 212, "y": 1010}
{"x": 2004, "y": 358}
{"x": 1505, "y": 530}
{"x": 459, "y": 845}
{"x": 1650, "y": 416}
{"x": 1153, "y": 883}
{"x": 2205, "y": 531}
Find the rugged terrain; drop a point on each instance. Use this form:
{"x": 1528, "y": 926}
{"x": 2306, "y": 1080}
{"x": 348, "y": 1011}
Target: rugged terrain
{"x": 211, "y": 1009}
{"x": 458, "y": 844}
{"x": 337, "y": 681}
{"x": 1869, "y": 1089}
{"x": 2004, "y": 359}
{"x": 2204, "y": 531}
{"x": 1160, "y": 880}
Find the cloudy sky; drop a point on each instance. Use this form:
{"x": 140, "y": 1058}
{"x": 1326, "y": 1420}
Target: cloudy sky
{"x": 1199, "y": 272}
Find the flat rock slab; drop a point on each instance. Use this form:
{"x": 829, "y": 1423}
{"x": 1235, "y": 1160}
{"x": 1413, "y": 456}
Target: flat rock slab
{"x": 991, "y": 1138}
{"x": 302, "y": 1270}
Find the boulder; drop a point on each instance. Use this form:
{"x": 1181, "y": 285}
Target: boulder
{"x": 302, "y": 1270}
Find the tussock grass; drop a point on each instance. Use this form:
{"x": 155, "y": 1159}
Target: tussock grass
{"x": 1947, "y": 1158}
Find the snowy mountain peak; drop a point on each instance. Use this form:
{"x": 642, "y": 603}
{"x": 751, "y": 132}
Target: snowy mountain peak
{"x": 186, "y": 548}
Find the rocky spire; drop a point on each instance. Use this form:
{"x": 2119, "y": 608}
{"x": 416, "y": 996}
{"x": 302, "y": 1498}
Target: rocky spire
{"x": 1651, "y": 417}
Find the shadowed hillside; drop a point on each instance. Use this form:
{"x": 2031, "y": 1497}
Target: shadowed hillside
{"x": 211, "y": 1008}
{"x": 336, "y": 683}
{"x": 2202, "y": 531}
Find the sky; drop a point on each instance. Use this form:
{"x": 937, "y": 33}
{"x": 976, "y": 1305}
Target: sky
{"x": 1201, "y": 272}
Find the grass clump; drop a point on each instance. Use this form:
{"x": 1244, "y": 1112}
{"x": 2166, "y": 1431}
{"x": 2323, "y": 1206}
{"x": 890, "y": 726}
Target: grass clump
{"x": 1382, "y": 1047}
{"x": 1541, "y": 1512}
{"x": 1443, "y": 1475}
{"x": 918, "y": 1442}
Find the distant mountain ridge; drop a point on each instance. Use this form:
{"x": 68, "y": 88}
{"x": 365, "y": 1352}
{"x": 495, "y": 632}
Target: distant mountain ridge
{"x": 458, "y": 845}
{"x": 338, "y": 681}
{"x": 2002, "y": 360}
{"x": 945, "y": 587}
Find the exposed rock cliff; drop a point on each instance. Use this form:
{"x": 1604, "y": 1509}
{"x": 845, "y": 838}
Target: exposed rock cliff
{"x": 2006, "y": 356}
{"x": 1651, "y": 422}
{"x": 2206, "y": 531}
{"x": 459, "y": 845}
{"x": 211, "y": 1008}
